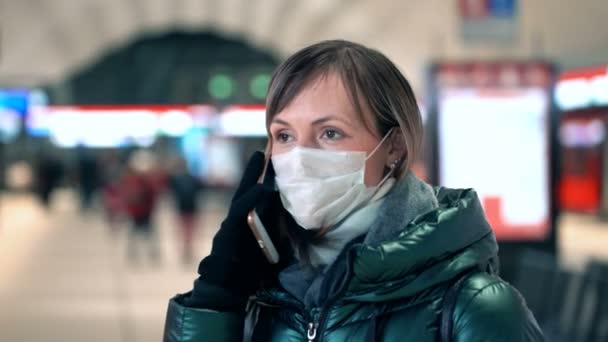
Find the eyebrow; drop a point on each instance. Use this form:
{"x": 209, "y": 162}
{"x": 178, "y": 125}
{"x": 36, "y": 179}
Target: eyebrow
{"x": 316, "y": 122}
{"x": 279, "y": 121}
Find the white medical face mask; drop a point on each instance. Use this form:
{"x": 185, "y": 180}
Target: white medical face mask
{"x": 320, "y": 188}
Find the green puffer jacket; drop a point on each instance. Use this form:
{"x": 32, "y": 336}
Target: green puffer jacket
{"x": 392, "y": 291}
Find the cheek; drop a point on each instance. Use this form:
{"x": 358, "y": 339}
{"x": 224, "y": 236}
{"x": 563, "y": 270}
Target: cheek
{"x": 274, "y": 150}
{"x": 278, "y": 149}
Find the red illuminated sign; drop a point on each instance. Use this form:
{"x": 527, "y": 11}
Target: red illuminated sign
{"x": 582, "y": 88}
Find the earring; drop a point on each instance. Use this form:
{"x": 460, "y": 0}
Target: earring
{"x": 394, "y": 164}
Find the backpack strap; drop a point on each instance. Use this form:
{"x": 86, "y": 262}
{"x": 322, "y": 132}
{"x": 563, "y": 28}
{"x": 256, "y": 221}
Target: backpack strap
{"x": 449, "y": 305}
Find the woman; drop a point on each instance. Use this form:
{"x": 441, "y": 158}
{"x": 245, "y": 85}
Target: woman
{"x": 368, "y": 252}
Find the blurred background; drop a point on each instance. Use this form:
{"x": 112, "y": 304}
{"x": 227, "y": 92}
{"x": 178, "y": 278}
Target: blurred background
{"x": 125, "y": 125}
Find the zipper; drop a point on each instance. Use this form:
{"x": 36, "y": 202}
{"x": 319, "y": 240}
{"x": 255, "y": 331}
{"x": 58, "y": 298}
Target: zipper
{"x": 316, "y": 326}
{"x": 311, "y": 334}
{"x": 313, "y": 316}
{"x": 317, "y": 317}
{"x": 313, "y": 325}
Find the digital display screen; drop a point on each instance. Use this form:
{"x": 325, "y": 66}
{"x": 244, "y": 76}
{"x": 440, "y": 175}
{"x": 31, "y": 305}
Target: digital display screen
{"x": 494, "y": 137}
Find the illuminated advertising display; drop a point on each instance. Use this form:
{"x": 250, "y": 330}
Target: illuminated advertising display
{"x": 13, "y": 107}
{"x": 582, "y": 96}
{"x": 582, "y": 88}
{"x": 493, "y": 134}
{"x": 115, "y": 126}
{"x": 242, "y": 121}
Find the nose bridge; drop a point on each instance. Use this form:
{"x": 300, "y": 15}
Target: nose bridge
{"x": 307, "y": 139}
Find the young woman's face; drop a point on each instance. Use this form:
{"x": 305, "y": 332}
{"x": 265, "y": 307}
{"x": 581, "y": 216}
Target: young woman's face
{"x": 322, "y": 116}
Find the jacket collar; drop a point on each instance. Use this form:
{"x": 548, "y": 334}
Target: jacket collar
{"x": 432, "y": 248}
{"x": 409, "y": 198}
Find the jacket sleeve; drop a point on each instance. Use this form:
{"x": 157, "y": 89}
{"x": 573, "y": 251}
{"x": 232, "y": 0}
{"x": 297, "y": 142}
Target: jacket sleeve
{"x": 489, "y": 309}
{"x": 187, "y": 324}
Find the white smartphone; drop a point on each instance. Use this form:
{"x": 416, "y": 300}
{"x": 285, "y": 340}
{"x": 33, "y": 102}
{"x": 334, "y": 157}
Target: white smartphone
{"x": 261, "y": 236}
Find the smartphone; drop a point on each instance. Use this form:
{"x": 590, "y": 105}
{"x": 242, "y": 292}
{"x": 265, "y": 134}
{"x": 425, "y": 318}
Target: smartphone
{"x": 261, "y": 236}
{"x": 256, "y": 225}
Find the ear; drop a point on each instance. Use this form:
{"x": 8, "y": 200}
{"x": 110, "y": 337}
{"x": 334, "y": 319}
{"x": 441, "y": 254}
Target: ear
{"x": 396, "y": 148}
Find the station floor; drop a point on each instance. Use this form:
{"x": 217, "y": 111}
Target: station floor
{"x": 64, "y": 275}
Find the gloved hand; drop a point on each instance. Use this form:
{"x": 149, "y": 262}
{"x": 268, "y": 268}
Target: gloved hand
{"x": 236, "y": 263}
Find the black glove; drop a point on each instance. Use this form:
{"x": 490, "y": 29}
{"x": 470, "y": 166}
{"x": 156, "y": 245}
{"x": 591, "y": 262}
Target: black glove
{"x": 236, "y": 263}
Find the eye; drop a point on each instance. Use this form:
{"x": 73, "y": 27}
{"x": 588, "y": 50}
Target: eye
{"x": 282, "y": 137}
{"x": 332, "y": 134}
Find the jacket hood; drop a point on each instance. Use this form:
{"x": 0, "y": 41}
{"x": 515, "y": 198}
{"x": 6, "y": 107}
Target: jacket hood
{"x": 432, "y": 248}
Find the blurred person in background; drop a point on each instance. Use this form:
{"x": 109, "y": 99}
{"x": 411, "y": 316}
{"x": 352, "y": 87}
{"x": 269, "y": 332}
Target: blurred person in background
{"x": 88, "y": 176}
{"x": 368, "y": 252}
{"x": 185, "y": 189}
{"x": 111, "y": 199}
{"x": 139, "y": 193}
{"x": 49, "y": 174}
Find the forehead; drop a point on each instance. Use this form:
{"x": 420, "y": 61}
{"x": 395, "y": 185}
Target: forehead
{"x": 327, "y": 94}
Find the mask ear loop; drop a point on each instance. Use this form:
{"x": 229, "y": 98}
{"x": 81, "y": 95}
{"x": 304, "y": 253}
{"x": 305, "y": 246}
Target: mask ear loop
{"x": 393, "y": 165}
{"x": 388, "y": 134}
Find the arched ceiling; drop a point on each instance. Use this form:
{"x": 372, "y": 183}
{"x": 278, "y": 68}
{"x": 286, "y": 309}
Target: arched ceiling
{"x": 46, "y": 40}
